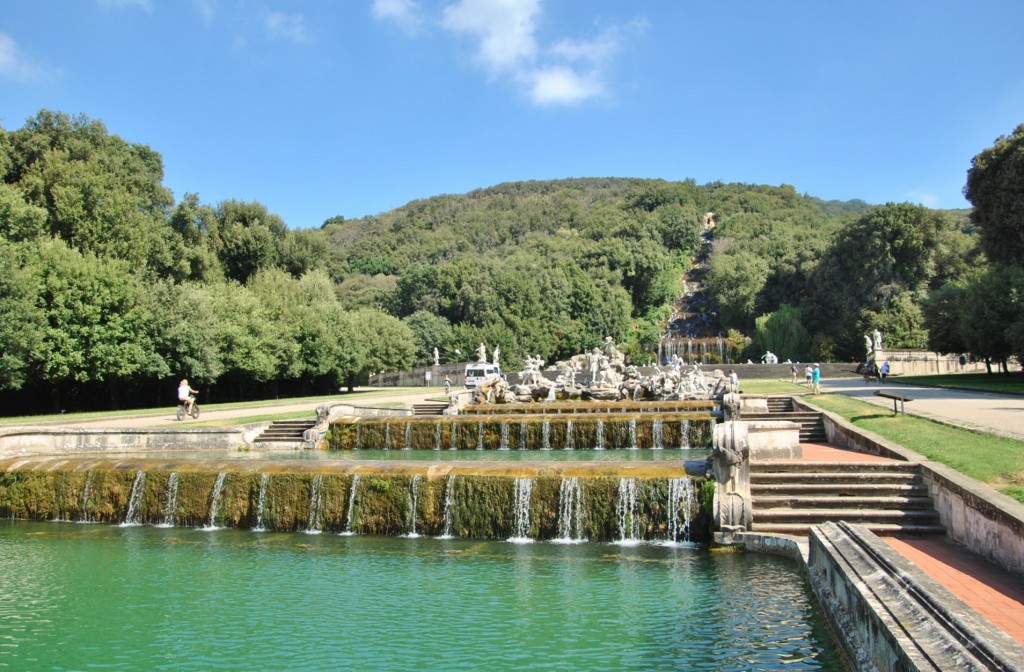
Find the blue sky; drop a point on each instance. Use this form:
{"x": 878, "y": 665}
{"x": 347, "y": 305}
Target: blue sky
{"x": 354, "y": 107}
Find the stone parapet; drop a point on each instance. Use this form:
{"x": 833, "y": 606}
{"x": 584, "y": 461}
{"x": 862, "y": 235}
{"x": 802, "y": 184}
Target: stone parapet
{"x": 892, "y": 616}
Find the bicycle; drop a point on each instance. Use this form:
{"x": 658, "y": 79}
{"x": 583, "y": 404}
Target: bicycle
{"x": 183, "y": 410}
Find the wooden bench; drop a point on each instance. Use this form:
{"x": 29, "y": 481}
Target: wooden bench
{"x": 901, "y": 398}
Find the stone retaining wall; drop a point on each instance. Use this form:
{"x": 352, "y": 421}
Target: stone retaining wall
{"x": 976, "y": 515}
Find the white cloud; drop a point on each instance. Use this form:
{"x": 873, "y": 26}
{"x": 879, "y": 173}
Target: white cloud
{"x": 504, "y": 33}
{"x": 287, "y": 26}
{"x": 503, "y": 29}
{"x": 559, "y": 85}
{"x": 117, "y": 4}
{"x": 923, "y": 197}
{"x": 15, "y": 65}
{"x": 206, "y": 8}
{"x": 406, "y": 13}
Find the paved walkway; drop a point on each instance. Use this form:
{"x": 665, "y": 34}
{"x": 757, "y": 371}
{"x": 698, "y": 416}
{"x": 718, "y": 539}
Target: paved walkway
{"x": 1001, "y": 414}
{"x": 166, "y": 417}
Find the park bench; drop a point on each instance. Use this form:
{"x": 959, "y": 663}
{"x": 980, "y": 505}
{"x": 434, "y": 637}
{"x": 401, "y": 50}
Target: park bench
{"x": 901, "y": 398}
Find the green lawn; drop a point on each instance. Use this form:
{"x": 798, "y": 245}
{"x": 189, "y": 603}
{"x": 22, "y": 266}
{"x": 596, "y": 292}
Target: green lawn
{"x": 1012, "y": 383}
{"x": 991, "y": 459}
{"x": 96, "y": 415}
{"x": 769, "y": 386}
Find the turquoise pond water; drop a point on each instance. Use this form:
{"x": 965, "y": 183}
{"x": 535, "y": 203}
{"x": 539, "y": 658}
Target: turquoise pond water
{"x": 99, "y": 597}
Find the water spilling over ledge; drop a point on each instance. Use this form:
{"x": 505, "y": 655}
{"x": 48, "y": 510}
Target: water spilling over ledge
{"x": 488, "y": 431}
{"x": 631, "y": 502}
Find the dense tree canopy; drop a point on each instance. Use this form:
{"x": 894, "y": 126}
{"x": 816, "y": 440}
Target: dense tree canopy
{"x": 114, "y": 291}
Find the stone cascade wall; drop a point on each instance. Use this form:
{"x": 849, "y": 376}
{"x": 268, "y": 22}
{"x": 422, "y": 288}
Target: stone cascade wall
{"x": 554, "y": 432}
{"x": 378, "y": 503}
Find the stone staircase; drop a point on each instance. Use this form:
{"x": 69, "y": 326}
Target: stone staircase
{"x": 285, "y": 431}
{"x": 886, "y": 497}
{"x": 812, "y": 427}
{"x": 429, "y": 408}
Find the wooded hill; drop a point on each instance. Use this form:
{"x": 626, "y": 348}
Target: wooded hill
{"x": 114, "y": 291}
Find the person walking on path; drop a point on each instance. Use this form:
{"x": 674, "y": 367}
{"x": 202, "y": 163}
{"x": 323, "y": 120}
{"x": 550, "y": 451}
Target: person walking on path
{"x": 734, "y": 381}
{"x": 792, "y": 373}
{"x": 884, "y": 371}
{"x": 808, "y": 374}
{"x": 816, "y": 379}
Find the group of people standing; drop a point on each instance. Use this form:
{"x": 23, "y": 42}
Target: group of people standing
{"x": 812, "y": 375}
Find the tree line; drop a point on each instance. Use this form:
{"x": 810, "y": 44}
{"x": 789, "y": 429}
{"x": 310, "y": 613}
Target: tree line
{"x": 113, "y": 290}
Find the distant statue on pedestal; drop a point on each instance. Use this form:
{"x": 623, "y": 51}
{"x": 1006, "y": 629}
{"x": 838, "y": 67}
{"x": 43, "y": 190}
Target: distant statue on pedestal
{"x": 437, "y": 357}
{"x": 878, "y": 339}
{"x": 497, "y": 351}
{"x": 481, "y": 354}
{"x": 868, "y": 347}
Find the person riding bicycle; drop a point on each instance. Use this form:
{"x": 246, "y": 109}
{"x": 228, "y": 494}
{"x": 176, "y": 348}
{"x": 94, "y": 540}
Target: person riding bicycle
{"x": 185, "y": 394}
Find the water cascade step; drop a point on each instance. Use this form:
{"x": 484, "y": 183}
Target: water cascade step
{"x": 521, "y": 501}
{"x": 886, "y": 497}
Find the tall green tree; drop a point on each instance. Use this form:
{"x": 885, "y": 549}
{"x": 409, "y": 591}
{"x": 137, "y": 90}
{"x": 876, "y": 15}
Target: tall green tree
{"x": 102, "y": 195}
{"x": 995, "y": 187}
{"x": 98, "y": 323}
{"x": 21, "y": 319}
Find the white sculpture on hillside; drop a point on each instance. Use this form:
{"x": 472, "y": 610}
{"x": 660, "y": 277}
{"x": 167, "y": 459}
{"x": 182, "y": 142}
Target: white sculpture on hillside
{"x": 481, "y": 354}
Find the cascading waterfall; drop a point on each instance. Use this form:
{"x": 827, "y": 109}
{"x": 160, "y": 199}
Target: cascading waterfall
{"x": 684, "y": 434}
{"x": 413, "y": 501}
{"x": 86, "y": 495}
{"x": 632, "y": 435}
{"x": 479, "y": 436}
{"x": 569, "y": 445}
{"x": 218, "y": 488}
{"x": 570, "y": 512}
{"x": 521, "y": 511}
{"x": 437, "y": 436}
{"x": 626, "y": 513}
{"x": 387, "y": 436}
{"x": 408, "y": 437}
{"x": 599, "y": 439}
{"x": 447, "y": 527}
{"x": 546, "y": 435}
{"x": 171, "y": 500}
{"x": 351, "y": 505}
{"x": 359, "y": 435}
{"x": 134, "y": 515}
{"x": 523, "y": 445}
{"x": 314, "y": 523}
{"x": 657, "y": 435}
{"x": 680, "y": 491}
{"x": 504, "y": 437}
{"x": 261, "y": 501}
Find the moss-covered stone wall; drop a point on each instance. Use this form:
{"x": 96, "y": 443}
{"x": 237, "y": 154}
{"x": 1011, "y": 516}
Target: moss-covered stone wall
{"x": 524, "y": 432}
{"x": 477, "y": 505}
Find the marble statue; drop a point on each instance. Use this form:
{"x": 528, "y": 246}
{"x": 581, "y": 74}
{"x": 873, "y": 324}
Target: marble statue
{"x": 481, "y": 354}
{"x": 437, "y": 356}
{"x": 878, "y": 339}
{"x": 494, "y": 356}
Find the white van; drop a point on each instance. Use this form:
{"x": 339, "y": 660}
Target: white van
{"x": 477, "y": 372}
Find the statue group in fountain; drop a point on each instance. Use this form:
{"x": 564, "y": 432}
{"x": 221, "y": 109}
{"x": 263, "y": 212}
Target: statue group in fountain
{"x": 605, "y": 377}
